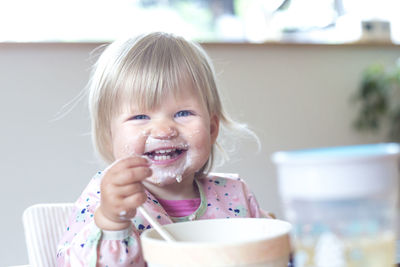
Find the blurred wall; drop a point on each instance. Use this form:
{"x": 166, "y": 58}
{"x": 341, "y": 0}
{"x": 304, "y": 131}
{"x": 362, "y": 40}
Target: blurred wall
{"x": 292, "y": 96}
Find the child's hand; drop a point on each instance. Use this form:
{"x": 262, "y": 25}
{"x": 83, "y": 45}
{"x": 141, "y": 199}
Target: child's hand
{"x": 122, "y": 192}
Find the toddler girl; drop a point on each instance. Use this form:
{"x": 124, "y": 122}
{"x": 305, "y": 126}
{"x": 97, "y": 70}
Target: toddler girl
{"x": 155, "y": 113}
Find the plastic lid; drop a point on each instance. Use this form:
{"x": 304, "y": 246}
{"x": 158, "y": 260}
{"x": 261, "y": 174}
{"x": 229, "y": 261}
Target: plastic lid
{"x": 338, "y": 172}
{"x": 336, "y": 153}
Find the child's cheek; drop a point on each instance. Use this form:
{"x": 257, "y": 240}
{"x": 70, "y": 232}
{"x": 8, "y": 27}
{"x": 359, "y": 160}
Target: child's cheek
{"x": 197, "y": 136}
{"x": 202, "y": 141}
{"x": 201, "y": 151}
{"x": 135, "y": 145}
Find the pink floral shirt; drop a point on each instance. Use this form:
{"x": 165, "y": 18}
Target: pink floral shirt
{"x": 84, "y": 244}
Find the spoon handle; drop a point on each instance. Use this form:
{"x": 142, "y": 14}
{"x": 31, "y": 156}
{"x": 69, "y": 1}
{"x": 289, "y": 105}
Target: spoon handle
{"x": 162, "y": 231}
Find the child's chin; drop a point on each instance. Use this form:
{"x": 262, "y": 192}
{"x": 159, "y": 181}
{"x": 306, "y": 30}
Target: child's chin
{"x": 163, "y": 180}
{"x": 167, "y": 175}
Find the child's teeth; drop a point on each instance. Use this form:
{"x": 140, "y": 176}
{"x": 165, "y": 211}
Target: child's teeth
{"x": 162, "y": 151}
{"x": 162, "y": 157}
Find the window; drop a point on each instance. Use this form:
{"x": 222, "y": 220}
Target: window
{"x": 322, "y": 21}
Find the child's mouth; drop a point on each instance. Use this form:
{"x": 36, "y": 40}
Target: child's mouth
{"x": 165, "y": 155}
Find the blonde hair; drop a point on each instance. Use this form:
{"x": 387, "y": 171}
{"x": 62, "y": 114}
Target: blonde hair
{"x": 141, "y": 71}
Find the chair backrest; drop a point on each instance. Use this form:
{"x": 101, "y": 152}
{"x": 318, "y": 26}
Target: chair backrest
{"x": 44, "y": 225}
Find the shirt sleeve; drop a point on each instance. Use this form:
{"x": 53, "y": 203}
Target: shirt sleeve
{"x": 84, "y": 244}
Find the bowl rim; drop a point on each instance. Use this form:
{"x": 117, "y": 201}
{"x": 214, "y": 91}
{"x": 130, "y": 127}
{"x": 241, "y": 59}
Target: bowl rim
{"x": 286, "y": 232}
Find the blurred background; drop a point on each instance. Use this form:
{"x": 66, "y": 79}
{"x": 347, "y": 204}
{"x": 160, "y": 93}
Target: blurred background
{"x": 322, "y": 21}
{"x": 297, "y": 72}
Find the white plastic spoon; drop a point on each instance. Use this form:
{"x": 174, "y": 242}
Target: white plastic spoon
{"x": 163, "y": 233}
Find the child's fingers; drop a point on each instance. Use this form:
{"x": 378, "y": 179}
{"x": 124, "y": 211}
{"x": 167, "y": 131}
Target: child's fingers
{"x": 130, "y": 189}
{"x": 129, "y": 162}
{"x": 134, "y": 161}
{"x": 126, "y": 207}
{"x": 131, "y": 175}
{"x": 135, "y": 200}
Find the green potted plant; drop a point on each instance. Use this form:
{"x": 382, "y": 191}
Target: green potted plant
{"x": 379, "y": 99}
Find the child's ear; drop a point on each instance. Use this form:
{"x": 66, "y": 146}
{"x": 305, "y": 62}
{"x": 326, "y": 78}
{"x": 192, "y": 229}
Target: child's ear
{"x": 214, "y": 128}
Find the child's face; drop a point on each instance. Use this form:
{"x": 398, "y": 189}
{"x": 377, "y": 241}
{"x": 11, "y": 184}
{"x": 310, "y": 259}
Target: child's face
{"x": 176, "y": 136}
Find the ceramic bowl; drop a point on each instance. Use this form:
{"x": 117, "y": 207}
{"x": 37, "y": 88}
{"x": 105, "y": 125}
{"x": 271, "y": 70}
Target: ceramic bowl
{"x": 245, "y": 242}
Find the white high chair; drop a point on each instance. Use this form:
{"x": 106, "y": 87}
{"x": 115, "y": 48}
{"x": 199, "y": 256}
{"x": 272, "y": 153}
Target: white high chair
{"x": 44, "y": 225}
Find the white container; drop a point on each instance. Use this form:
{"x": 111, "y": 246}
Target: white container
{"x": 244, "y": 242}
{"x": 342, "y": 204}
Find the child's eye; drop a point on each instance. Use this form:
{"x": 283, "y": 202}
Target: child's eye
{"x": 140, "y": 117}
{"x": 184, "y": 113}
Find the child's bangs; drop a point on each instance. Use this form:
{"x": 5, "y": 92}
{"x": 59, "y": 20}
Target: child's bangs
{"x": 146, "y": 87}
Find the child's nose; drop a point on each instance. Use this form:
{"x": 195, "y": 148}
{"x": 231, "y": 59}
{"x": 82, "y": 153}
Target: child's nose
{"x": 164, "y": 131}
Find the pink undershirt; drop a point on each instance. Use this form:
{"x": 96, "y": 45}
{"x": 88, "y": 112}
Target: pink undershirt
{"x": 180, "y": 208}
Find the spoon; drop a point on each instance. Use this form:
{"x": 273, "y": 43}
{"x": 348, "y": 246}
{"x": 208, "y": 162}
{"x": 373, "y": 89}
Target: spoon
{"x": 163, "y": 233}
